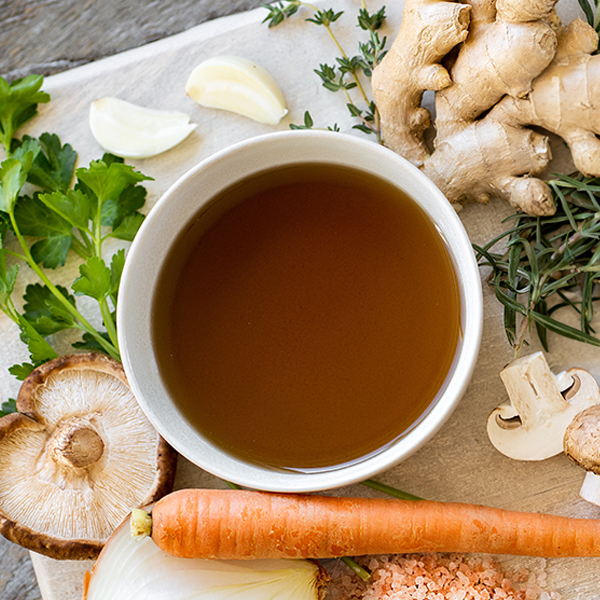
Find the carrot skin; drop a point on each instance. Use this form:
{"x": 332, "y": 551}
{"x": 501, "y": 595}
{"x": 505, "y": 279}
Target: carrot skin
{"x": 236, "y": 524}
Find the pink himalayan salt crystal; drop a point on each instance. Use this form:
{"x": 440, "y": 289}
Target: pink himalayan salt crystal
{"x": 436, "y": 577}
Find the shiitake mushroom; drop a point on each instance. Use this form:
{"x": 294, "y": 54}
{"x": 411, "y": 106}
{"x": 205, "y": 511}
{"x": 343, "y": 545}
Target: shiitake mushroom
{"x": 77, "y": 457}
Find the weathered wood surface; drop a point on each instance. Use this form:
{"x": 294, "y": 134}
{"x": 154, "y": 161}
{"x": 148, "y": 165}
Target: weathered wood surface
{"x": 17, "y": 578}
{"x": 50, "y": 36}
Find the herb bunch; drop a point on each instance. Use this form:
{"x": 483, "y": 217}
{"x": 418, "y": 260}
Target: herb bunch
{"x": 590, "y": 10}
{"x": 550, "y": 263}
{"x": 345, "y": 75}
{"x": 48, "y": 218}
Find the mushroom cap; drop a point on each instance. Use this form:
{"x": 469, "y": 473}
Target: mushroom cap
{"x": 77, "y": 457}
{"x": 582, "y": 439}
{"x": 532, "y": 424}
{"x": 509, "y": 436}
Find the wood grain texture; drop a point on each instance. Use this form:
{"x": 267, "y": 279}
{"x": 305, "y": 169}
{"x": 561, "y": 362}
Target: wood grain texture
{"x": 49, "y": 36}
{"x": 17, "y": 578}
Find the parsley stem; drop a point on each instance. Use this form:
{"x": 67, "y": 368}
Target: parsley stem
{"x": 86, "y": 241}
{"x": 389, "y": 490}
{"x": 10, "y": 311}
{"x": 109, "y": 322}
{"x": 79, "y": 248}
{"x": 15, "y": 254}
{"x": 108, "y": 347}
{"x": 98, "y": 227}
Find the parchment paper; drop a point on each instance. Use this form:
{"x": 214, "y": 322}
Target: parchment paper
{"x": 459, "y": 464}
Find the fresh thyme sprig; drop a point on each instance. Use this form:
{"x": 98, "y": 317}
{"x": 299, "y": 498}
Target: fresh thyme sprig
{"x": 309, "y": 123}
{"x": 550, "y": 263}
{"x": 345, "y": 75}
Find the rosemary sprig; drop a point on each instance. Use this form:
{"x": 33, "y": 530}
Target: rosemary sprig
{"x": 549, "y": 263}
{"x": 590, "y": 10}
{"x": 345, "y": 75}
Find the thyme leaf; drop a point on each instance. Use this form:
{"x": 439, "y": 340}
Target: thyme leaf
{"x": 345, "y": 76}
{"x": 309, "y": 124}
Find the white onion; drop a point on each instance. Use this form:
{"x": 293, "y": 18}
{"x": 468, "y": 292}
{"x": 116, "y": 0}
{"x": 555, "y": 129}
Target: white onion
{"x": 129, "y": 569}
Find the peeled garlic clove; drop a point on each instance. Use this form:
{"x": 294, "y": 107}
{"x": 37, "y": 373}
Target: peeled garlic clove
{"x": 133, "y": 131}
{"x": 238, "y": 85}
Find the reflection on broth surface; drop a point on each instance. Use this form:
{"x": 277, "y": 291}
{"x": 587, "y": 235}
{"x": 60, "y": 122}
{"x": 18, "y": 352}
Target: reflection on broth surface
{"x": 312, "y": 322}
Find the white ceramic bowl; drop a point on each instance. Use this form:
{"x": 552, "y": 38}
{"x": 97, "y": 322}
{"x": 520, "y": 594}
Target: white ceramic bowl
{"x": 172, "y": 214}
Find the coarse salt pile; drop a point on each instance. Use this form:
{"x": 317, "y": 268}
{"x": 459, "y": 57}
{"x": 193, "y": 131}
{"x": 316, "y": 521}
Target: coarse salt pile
{"x": 437, "y": 577}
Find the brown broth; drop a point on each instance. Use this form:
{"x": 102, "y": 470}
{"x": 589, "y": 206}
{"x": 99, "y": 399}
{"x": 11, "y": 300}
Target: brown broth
{"x": 312, "y": 323}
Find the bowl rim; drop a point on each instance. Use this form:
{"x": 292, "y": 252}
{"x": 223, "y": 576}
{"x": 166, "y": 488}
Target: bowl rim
{"x": 136, "y": 291}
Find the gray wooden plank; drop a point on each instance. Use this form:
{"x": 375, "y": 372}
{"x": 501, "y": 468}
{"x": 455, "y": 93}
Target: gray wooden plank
{"x": 49, "y": 36}
{"x": 17, "y": 578}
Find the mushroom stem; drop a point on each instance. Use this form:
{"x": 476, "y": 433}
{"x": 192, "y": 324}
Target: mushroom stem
{"x": 77, "y": 443}
{"x": 590, "y": 488}
{"x": 532, "y": 423}
{"x": 533, "y": 390}
{"x": 77, "y": 457}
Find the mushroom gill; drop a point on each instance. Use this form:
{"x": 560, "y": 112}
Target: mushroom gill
{"x": 77, "y": 458}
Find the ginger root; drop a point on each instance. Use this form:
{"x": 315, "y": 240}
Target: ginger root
{"x": 497, "y": 67}
{"x": 562, "y": 99}
{"x": 429, "y": 30}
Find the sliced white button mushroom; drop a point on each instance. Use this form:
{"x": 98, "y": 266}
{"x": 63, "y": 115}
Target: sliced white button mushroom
{"x": 590, "y": 488}
{"x": 531, "y": 425}
{"x": 133, "y": 131}
{"x": 238, "y": 85}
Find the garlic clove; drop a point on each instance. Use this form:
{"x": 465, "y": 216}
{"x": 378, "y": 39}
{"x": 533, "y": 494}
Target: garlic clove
{"x": 133, "y": 131}
{"x": 238, "y": 85}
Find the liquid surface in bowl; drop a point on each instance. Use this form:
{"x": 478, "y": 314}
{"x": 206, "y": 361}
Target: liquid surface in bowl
{"x": 308, "y": 318}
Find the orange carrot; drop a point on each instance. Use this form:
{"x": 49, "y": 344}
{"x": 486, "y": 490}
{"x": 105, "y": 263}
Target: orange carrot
{"x": 235, "y": 524}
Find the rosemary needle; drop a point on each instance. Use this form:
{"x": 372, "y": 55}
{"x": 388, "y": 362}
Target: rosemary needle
{"x": 549, "y": 263}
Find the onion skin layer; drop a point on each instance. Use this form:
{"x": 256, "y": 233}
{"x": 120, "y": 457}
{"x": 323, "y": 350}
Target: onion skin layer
{"x": 130, "y": 569}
